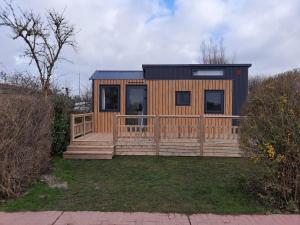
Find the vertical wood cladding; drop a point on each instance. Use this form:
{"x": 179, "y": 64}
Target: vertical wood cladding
{"x": 161, "y": 98}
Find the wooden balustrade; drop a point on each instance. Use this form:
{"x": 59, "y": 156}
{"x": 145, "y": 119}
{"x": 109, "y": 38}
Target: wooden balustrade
{"x": 81, "y": 124}
{"x": 168, "y": 128}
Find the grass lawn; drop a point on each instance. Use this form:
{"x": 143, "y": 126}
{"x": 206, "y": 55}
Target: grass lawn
{"x": 147, "y": 184}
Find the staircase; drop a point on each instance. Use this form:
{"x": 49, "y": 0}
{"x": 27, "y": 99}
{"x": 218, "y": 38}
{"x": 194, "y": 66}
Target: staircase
{"x": 82, "y": 148}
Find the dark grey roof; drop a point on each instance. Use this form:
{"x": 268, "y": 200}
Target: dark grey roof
{"x": 197, "y": 65}
{"x": 117, "y": 75}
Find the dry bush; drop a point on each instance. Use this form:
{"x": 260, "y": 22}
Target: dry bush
{"x": 25, "y": 141}
{"x": 271, "y": 134}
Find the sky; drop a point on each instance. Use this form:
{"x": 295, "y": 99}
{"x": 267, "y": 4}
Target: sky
{"x": 124, "y": 34}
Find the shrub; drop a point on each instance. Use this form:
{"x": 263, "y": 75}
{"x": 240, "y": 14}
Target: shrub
{"x": 24, "y": 141}
{"x": 62, "y": 106}
{"x": 271, "y": 134}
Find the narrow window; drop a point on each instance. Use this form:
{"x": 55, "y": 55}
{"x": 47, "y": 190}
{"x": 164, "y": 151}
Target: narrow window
{"x": 110, "y": 98}
{"x": 183, "y": 98}
{"x": 208, "y": 73}
{"x": 214, "y": 101}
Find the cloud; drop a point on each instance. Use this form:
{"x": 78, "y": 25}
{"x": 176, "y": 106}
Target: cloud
{"x": 123, "y": 34}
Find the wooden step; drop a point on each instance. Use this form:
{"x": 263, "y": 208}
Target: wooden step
{"x": 222, "y": 155}
{"x": 134, "y": 153}
{"x": 179, "y": 140}
{"x": 179, "y": 154}
{"x": 134, "y": 150}
{"x": 218, "y": 141}
{"x": 216, "y": 145}
{"x": 92, "y": 143}
{"x": 221, "y": 152}
{"x": 135, "y": 146}
{"x": 90, "y": 148}
{"x": 221, "y": 148}
{"x": 190, "y": 146}
{"x": 88, "y": 155}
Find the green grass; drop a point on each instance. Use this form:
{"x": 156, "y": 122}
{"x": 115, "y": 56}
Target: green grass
{"x": 147, "y": 184}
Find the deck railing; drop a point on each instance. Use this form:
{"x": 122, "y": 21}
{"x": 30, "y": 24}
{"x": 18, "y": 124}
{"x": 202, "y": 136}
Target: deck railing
{"x": 81, "y": 124}
{"x": 171, "y": 128}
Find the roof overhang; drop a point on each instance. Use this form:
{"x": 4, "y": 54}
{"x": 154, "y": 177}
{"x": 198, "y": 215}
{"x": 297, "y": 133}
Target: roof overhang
{"x": 197, "y": 65}
{"x": 117, "y": 75}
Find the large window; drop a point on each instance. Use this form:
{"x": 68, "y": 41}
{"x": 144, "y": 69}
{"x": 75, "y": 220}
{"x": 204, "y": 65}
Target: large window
{"x": 110, "y": 98}
{"x": 183, "y": 98}
{"x": 214, "y": 101}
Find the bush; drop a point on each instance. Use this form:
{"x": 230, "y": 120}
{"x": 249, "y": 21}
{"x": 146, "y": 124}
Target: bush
{"x": 62, "y": 106}
{"x": 24, "y": 141}
{"x": 271, "y": 134}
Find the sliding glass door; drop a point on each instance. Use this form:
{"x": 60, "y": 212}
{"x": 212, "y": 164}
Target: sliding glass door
{"x": 136, "y": 103}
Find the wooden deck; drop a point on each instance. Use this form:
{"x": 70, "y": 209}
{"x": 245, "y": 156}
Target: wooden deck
{"x": 161, "y": 135}
{"x": 100, "y": 146}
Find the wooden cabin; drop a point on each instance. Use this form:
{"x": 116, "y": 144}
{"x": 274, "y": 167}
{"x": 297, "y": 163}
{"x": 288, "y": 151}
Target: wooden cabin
{"x": 185, "y": 109}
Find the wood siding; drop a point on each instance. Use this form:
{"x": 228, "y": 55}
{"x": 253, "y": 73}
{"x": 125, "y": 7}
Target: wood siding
{"x": 161, "y": 98}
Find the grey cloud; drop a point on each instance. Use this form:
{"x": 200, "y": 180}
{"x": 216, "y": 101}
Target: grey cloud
{"x": 123, "y": 34}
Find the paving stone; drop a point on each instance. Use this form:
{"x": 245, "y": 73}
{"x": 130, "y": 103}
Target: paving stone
{"x": 29, "y": 218}
{"x": 212, "y": 219}
{"x": 115, "y": 218}
{"x": 101, "y": 218}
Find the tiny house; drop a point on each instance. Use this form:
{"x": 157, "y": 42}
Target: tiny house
{"x": 182, "y": 97}
{"x": 169, "y": 90}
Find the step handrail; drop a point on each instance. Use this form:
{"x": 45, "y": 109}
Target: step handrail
{"x": 85, "y": 126}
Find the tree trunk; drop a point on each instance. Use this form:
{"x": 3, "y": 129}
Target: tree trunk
{"x": 46, "y": 89}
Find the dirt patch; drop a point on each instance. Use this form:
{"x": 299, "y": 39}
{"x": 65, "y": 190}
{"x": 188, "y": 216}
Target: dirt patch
{"x": 54, "y": 182}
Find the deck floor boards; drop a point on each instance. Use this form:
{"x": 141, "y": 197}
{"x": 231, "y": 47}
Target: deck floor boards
{"x": 96, "y": 137}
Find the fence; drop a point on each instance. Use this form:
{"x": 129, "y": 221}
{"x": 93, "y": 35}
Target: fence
{"x": 159, "y": 129}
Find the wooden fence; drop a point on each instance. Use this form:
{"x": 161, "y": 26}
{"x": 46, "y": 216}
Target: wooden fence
{"x": 81, "y": 124}
{"x": 159, "y": 129}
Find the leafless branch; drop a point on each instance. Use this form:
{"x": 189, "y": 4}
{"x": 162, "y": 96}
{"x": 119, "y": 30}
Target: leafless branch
{"x": 44, "y": 38}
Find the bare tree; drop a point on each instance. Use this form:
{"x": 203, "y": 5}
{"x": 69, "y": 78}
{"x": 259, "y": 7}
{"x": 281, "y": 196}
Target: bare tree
{"x": 44, "y": 38}
{"x": 214, "y": 53}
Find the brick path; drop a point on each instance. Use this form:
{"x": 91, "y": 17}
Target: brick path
{"x": 107, "y": 218}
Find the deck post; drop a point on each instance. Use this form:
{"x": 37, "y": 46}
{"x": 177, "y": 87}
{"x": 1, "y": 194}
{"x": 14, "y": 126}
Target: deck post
{"x": 115, "y": 131}
{"x": 72, "y": 127}
{"x": 93, "y": 123}
{"x": 83, "y": 124}
{"x": 198, "y": 122}
{"x": 201, "y": 134}
{"x": 157, "y": 133}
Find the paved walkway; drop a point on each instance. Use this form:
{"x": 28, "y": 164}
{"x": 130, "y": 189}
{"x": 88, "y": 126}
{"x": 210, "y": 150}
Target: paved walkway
{"x": 107, "y": 218}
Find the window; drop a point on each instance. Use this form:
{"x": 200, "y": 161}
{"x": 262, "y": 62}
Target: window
{"x": 214, "y": 101}
{"x": 183, "y": 98}
{"x": 208, "y": 73}
{"x": 110, "y": 98}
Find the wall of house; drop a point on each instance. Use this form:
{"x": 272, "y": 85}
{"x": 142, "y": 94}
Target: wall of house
{"x": 161, "y": 98}
{"x": 238, "y": 73}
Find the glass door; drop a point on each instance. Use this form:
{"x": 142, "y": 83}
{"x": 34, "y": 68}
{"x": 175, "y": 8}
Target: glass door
{"x": 136, "y": 103}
